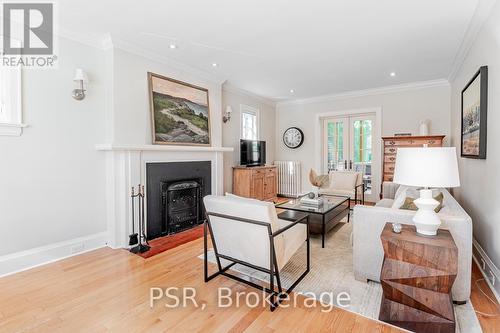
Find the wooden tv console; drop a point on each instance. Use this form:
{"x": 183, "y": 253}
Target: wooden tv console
{"x": 258, "y": 182}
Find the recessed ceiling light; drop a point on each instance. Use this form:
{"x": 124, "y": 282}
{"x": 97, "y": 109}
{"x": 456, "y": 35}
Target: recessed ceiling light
{"x": 392, "y": 74}
{"x": 292, "y": 91}
{"x": 173, "y": 46}
{"x": 215, "y": 64}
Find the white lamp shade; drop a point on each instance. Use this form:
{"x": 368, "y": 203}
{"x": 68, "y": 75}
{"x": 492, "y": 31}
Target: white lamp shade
{"x": 229, "y": 109}
{"x": 80, "y": 75}
{"x": 427, "y": 167}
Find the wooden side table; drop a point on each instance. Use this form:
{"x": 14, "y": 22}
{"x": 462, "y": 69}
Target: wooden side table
{"x": 417, "y": 275}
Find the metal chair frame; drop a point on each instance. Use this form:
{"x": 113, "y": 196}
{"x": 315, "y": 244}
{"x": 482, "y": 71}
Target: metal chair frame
{"x": 275, "y": 297}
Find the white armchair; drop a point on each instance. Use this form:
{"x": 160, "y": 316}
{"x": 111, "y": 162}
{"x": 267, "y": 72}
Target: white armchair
{"x": 345, "y": 183}
{"x": 248, "y": 232}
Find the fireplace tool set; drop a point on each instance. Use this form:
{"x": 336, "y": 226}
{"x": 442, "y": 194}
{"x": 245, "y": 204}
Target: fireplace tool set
{"x": 140, "y": 237}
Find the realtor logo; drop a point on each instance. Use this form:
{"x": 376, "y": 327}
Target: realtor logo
{"x": 28, "y": 28}
{"x": 28, "y": 35}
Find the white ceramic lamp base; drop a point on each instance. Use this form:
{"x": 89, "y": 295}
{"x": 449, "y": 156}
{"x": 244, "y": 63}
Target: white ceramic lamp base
{"x": 426, "y": 220}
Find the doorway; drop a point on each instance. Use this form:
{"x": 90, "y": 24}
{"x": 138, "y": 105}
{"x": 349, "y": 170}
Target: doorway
{"x": 349, "y": 144}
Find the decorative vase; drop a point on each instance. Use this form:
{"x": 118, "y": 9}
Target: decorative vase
{"x": 426, "y": 220}
{"x": 424, "y": 128}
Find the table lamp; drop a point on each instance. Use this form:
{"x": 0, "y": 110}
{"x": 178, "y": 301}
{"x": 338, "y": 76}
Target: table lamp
{"x": 427, "y": 167}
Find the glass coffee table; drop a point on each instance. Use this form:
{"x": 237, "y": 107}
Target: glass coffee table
{"x": 322, "y": 218}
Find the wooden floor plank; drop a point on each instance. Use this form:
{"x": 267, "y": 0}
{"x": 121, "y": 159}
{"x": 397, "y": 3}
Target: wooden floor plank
{"x": 108, "y": 291}
{"x": 491, "y": 321}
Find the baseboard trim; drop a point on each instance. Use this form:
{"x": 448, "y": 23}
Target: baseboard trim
{"x": 480, "y": 257}
{"x": 21, "y": 261}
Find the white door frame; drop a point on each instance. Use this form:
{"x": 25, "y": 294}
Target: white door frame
{"x": 377, "y": 141}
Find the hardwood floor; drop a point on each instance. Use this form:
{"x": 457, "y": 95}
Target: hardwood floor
{"x": 489, "y": 316}
{"x": 165, "y": 243}
{"x": 108, "y": 291}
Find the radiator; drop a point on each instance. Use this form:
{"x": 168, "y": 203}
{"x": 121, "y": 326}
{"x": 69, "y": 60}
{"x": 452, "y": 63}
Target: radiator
{"x": 289, "y": 178}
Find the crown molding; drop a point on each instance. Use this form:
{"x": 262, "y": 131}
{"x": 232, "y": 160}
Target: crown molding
{"x": 85, "y": 39}
{"x": 107, "y": 42}
{"x": 367, "y": 92}
{"x": 478, "y": 19}
{"x": 110, "y": 41}
{"x": 228, "y": 87}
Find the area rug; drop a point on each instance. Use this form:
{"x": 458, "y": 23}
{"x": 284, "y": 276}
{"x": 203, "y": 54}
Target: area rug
{"x": 332, "y": 272}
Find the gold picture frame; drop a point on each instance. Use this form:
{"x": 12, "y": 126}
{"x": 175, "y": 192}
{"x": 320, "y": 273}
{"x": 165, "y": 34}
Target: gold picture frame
{"x": 180, "y": 112}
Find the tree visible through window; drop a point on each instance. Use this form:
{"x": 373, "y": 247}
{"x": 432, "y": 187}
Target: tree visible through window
{"x": 362, "y": 141}
{"x": 249, "y": 123}
{"x": 335, "y": 138}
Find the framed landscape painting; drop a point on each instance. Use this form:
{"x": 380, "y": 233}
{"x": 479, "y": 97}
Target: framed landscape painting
{"x": 474, "y": 108}
{"x": 180, "y": 112}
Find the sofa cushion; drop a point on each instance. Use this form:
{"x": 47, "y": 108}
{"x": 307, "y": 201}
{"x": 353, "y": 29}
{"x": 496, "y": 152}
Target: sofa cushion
{"x": 340, "y": 192}
{"x": 293, "y": 239}
{"x": 385, "y": 203}
{"x": 343, "y": 180}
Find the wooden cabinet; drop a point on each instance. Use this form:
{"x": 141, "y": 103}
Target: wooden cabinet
{"x": 392, "y": 143}
{"x": 255, "y": 182}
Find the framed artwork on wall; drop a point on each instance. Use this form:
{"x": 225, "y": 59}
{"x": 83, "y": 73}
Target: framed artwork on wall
{"x": 180, "y": 113}
{"x": 474, "y": 113}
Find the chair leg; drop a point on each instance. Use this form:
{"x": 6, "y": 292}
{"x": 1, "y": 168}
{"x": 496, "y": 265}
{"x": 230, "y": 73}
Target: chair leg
{"x": 205, "y": 252}
{"x": 278, "y": 280}
{"x": 272, "y": 307}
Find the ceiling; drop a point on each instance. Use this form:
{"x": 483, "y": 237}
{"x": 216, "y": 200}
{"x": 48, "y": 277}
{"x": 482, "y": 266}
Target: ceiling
{"x": 314, "y": 47}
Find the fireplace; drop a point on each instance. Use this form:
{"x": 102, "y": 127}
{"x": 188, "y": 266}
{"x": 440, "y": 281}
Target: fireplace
{"x": 181, "y": 205}
{"x": 174, "y": 195}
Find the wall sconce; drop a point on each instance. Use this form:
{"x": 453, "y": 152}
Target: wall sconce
{"x": 227, "y": 115}
{"x": 80, "y": 78}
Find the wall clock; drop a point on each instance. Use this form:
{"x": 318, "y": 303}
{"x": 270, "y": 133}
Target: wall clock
{"x": 293, "y": 137}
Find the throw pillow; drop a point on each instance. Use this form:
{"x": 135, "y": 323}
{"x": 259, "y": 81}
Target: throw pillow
{"x": 401, "y": 189}
{"x": 399, "y": 197}
{"x": 409, "y": 203}
{"x": 317, "y": 181}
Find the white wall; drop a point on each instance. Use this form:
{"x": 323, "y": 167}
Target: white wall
{"x": 51, "y": 177}
{"x": 131, "y": 120}
{"x": 480, "y": 179}
{"x": 231, "y": 130}
{"x": 401, "y": 112}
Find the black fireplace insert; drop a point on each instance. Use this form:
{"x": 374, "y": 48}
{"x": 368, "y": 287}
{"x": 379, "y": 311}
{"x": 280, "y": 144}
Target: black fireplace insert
{"x": 174, "y": 196}
{"x": 181, "y": 201}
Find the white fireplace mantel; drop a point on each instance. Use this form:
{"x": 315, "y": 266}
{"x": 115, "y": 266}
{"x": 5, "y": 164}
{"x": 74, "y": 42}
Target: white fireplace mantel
{"x": 126, "y": 166}
{"x": 133, "y": 147}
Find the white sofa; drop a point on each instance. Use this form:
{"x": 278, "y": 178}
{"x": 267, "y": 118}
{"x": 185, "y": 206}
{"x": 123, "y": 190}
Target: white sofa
{"x": 368, "y": 223}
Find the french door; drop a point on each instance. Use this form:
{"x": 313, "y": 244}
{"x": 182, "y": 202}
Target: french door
{"x": 348, "y": 145}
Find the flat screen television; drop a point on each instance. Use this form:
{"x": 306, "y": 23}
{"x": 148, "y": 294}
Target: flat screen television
{"x": 252, "y": 152}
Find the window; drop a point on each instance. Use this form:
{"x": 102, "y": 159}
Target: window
{"x": 249, "y": 123}
{"x": 335, "y": 144}
{"x": 10, "y": 101}
{"x": 362, "y": 141}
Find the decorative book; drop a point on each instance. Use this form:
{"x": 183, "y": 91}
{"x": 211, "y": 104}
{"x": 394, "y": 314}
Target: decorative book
{"x": 311, "y": 202}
